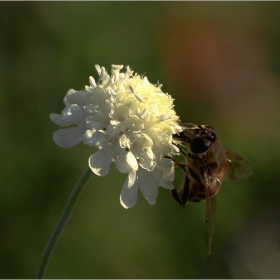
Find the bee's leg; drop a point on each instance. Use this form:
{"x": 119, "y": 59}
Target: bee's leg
{"x": 181, "y": 150}
{"x": 177, "y": 163}
{"x": 182, "y": 197}
{"x": 176, "y": 196}
{"x": 185, "y": 191}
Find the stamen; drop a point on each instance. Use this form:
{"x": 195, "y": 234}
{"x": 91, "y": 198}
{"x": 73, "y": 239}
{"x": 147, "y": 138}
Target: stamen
{"x": 98, "y": 69}
{"x": 172, "y": 129}
{"x": 139, "y": 97}
{"x": 155, "y": 108}
{"x": 143, "y": 113}
{"x": 131, "y": 89}
{"x": 113, "y": 92}
{"x": 117, "y": 67}
{"x": 158, "y": 85}
{"x": 129, "y": 72}
{"x": 164, "y": 117}
{"x": 92, "y": 82}
{"x": 103, "y": 73}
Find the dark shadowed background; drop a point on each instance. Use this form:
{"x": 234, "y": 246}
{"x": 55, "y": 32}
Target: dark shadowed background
{"x": 220, "y": 62}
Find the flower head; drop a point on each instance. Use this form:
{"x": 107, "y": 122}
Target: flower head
{"x": 131, "y": 122}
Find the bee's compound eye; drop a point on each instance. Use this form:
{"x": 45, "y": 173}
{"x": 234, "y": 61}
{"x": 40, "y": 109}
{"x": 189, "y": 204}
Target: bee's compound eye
{"x": 199, "y": 145}
{"x": 213, "y": 133}
{"x": 207, "y": 143}
{"x": 212, "y": 137}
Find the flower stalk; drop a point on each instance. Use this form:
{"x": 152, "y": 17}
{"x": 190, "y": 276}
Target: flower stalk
{"x": 69, "y": 206}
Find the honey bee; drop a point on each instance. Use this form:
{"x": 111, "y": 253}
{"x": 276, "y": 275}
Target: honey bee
{"x": 207, "y": 164}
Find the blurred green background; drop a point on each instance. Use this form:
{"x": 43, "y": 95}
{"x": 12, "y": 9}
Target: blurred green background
{"x": 221, "y": 63}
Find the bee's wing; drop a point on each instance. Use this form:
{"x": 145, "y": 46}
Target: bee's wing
{"x": 210, "y": 212}
{"x": 238, "y": 168}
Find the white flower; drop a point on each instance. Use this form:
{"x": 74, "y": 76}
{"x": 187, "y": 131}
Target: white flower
{"x": 131, "y": 122}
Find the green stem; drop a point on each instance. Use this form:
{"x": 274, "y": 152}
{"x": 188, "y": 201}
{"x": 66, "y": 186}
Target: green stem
{"x": 69, "y": 206}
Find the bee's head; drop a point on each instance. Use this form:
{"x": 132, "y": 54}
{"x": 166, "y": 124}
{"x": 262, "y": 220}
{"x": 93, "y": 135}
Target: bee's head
{"x": 198, "y": 138}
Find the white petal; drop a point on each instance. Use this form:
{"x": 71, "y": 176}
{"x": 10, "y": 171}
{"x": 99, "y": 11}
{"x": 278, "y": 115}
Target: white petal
{"x": 141, "y": 142}
{"x": 146, "y": 160}
{"x": 128, "y": 197}
{"x": 72, "y": 114}
{"x": 126, "y": 161}
{"x": 56, "y": 118}
{"x": 167, "y": 179}
{"x": 100, "y": 161}
{"x": 70, "y": 91}
{"x": 93, "y": 122}
{"x": 95, "y": 138}
{"x": 147, "y": 163}
{"x": 151, "y": 202}
{"x": 124, "y": 141}
{"x": 69, "y": 137}
{"x": 167, "y": 184}
{"x": 131, "y": 160}
{"x": 145, "y": 141}
{"x": 166, "y": 163}
{"x": 164, "y": 173}
{"x": 76, "y": 97}
{"x": 157, "y": 176}
{"x": 147, "y": 185}
{"x": 150, "y": 154}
